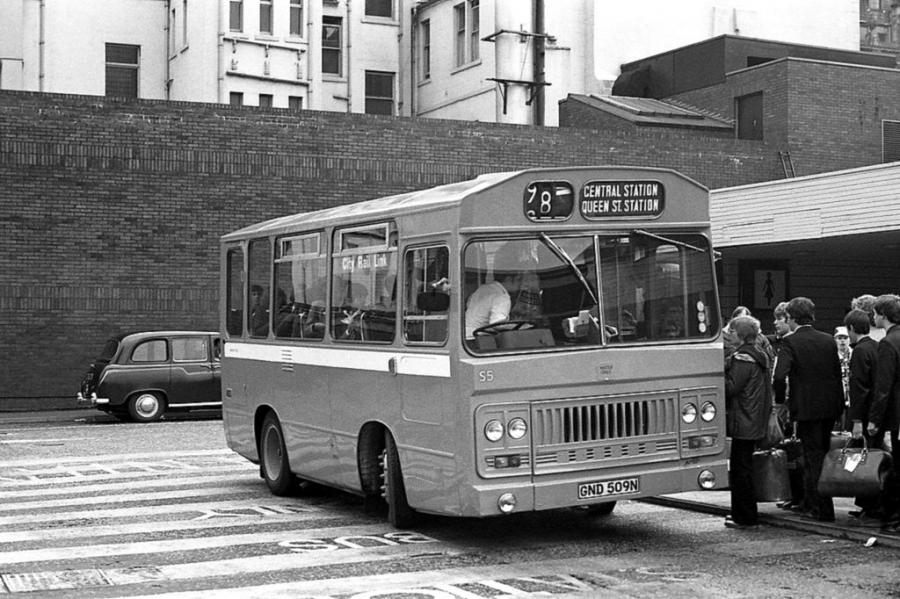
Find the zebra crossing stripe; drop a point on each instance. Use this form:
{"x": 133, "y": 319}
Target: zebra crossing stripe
{"x": 20, "y": 556}
{"x": 128, "y": 512}
{"x": 209, "y": 519}
{"x": 95, "y": 489}
{"x": 119, "y": 457}
{"x": 93, "y": 577}
{"x": 124, "y": 498}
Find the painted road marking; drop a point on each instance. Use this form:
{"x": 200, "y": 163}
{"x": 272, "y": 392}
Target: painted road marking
{"x": 208, "y": 519}
{"x": 198, "y": 508}
{"x": 96, "y": 489}
{"x": 118, "y": 457}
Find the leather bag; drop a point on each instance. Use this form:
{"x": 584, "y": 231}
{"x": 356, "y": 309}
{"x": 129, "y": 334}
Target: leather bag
{"x": 770, "y": 475}
{"x": 854, "y": 471}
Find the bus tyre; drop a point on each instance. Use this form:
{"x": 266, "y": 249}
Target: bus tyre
{"x": 599, "y": 510}
{"x": 146, "y": 407}
{"x": 274, "y": 465}
{"x": 400, "y": 515}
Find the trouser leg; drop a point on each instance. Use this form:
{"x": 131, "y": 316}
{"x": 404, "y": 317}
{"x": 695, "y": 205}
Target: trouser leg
{"x": 816, "y": 438}
{"x": 740, "y": 481}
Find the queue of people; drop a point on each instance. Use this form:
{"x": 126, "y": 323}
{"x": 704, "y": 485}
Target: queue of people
{"x": 826, "y": 382}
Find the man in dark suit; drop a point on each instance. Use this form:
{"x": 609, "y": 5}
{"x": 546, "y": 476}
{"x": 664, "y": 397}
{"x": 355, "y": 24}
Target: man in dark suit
{"x": 808, "y": 360}
{"x": 884, "y": 413}
{"x": 863, "y": 360}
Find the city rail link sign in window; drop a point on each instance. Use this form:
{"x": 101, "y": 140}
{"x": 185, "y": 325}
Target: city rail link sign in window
{"x": 604, "y": 199}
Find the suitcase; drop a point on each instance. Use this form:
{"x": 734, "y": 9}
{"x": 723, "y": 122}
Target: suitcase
{"x": 770, "y": 475}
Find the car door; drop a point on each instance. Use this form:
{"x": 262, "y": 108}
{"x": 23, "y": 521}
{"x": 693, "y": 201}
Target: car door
{"x": 194, "y": 379}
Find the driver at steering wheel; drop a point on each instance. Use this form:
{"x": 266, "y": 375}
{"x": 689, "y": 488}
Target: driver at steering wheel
{"x": 491, "y": 302}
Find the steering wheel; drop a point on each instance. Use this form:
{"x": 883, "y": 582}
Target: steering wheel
{"x": 503, "y": 326}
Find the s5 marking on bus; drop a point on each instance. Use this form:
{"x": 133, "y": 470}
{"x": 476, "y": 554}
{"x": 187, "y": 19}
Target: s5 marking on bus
{"x": 485, "y": 376}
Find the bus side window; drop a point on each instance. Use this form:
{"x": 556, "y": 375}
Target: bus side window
{"x": 427, "y": 296}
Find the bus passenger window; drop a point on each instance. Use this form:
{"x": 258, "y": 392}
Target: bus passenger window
{"x": 234, "y": 315}
{"x": 427, "y": 296}
{"x": 300, "y": 276}
{"x": 364, "y": 265}
{"x": 258, "y": 276}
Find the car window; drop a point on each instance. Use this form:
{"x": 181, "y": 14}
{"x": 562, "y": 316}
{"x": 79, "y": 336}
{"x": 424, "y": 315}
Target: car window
{"x": 150, "y": 351}
{"x": 189, "y": 349}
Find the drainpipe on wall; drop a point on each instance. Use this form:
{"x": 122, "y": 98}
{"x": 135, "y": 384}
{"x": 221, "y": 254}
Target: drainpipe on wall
{"x": 41, "y": 43}
{"x": 537, "y": 104}
{"x": 220, "y": 56}
{"x": 413, "y": 50}
{"x": 168, "y": 82}
{"x": 349, "y": 62}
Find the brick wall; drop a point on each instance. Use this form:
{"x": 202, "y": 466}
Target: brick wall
{"x": 111, "y": 210}
{"x": 827, "y": 115}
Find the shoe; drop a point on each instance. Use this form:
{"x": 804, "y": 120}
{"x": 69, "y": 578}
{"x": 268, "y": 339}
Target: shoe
{"x": 784, "y": 505}
{"x": 798, "y": 507}
{"x": 729, "y": 523}
{"x": 865, "y": 521}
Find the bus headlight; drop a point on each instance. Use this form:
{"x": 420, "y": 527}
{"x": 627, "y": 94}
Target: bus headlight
{"x": 506, "y": 503}
{"x": 688, "y": 413}
{"x": 707, "y": 480}
{"x": 517, "y": 428}
{"x": 493, "y": 430}
{"x": 707, "y": 411}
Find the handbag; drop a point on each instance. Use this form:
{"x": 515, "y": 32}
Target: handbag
{"x": 854, "y": 471}
{"x": 770, "y": 475}
{"x": 774, "y": 435}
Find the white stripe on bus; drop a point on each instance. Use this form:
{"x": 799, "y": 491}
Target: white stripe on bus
{"x": 409, "y": 363}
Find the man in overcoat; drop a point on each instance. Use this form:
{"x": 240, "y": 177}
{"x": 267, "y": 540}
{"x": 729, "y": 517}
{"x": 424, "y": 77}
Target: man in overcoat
{"x": 808, "y": 361}
{"x": 884, "y": 412}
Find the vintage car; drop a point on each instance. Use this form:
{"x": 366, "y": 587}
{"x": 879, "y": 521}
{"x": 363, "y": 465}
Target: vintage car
{"x": 141, "y": 376}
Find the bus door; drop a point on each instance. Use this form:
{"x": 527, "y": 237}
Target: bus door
{"x": 363, "y": 326}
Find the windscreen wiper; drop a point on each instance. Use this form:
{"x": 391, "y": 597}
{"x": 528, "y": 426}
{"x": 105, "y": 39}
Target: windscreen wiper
{"x": 562, "y": 255}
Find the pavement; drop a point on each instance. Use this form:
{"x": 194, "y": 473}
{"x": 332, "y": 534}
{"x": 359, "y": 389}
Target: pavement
{"x": 716, "y": 502}
{"x": 844, "y": 526}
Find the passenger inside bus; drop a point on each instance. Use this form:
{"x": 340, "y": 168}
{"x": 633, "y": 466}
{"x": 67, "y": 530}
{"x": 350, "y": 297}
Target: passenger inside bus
{"x": 259, "y": 312}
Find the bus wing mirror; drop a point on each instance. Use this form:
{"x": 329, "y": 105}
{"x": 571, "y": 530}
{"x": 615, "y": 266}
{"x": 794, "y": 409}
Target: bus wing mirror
{"x": 433, "y": 301}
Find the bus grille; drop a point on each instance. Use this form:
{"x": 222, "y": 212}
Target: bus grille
{"x": 609, "y": 429}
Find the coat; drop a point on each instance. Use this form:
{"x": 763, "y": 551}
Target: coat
{"x": 808, "y": 361}
{"x": 862, "y": 378}
{"x": 748, "y": 395}
{"x": 885, "y": 409}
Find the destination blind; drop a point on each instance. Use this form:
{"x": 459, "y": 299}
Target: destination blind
{"x": 609, "y": 199}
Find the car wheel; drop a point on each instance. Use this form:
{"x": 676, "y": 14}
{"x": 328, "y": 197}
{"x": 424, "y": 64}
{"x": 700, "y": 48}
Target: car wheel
{"x": 400, "y": 515}
{"x": 146, "y": 407}
{"x": 274, "y": 465}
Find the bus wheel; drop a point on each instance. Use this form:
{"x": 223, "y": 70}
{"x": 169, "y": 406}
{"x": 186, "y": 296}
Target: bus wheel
{"x": 146, "y": 407}
{"x": 599, "y": 510}
{"x": 273, "y": 458}
{"x": 400, "y": 515}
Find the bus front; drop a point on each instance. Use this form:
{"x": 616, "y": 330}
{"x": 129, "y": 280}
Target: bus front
{"x": 603, "y": 380}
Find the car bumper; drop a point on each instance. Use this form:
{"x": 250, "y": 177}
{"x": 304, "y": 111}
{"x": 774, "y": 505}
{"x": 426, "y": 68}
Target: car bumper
{"x": 91, "y": 402}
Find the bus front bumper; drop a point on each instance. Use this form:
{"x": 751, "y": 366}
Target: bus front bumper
{"x": 591, "y": 488}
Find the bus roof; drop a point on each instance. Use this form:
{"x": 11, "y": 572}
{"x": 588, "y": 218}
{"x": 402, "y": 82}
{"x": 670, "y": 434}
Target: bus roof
{"x": 451, "y": 194}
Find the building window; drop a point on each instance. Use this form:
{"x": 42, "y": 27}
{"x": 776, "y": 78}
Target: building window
{"x": 379, "y": 93}
{"x": 236, "y": 98}
{"x": 874, "y": 4}
{"x": 236, "y": 15}
{"x": 890, "y": 141}
{"x": 425, "y": 58}
{"x": 265, "y": 16}
{"x": 474, "y": 30}
{"x": 459, "y": 16}
{"x": 184, "y": 23}
{"x": 122, "y": 70}
{"x": 380, "y": 8}
{"x": 297, "y": 18}
{"x": 749, "y": 116}
{"x": 331, "y": 45}
{"x": 265, "y": 100}
{"x": 466, "y": 16}
{"x": 295, "y": 102}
